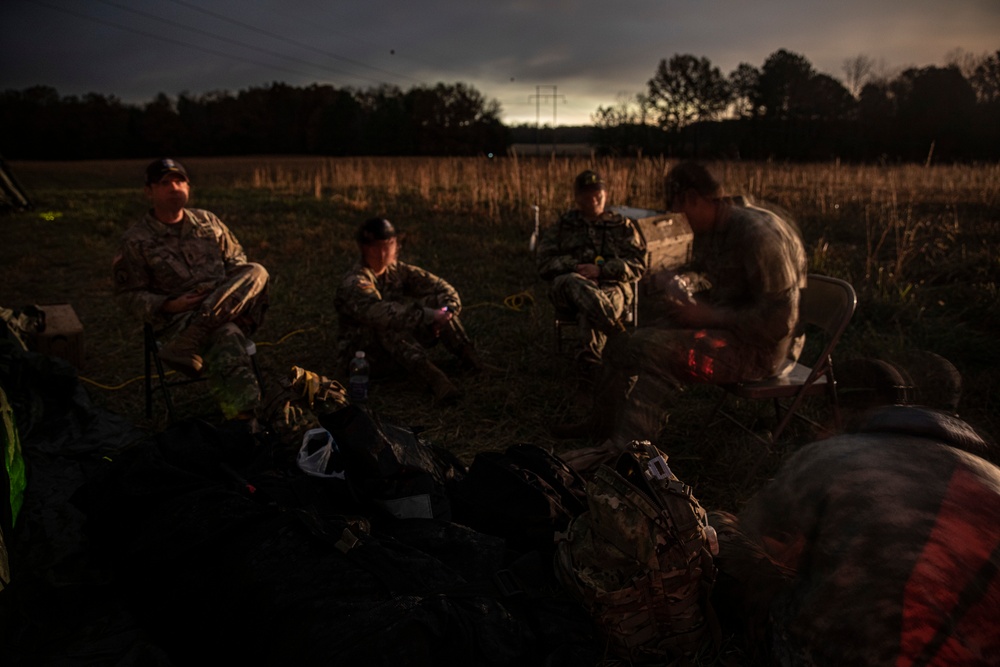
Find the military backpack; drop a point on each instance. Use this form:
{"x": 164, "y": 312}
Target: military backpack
{"x": 640, "y": 560}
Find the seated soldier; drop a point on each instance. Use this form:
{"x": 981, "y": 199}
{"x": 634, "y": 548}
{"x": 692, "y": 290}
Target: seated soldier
{"x": 185, "y": 273}
{"x": 593, "y": 258}
{"x": 395, "y": 311}
{"x": 737, "y": 323}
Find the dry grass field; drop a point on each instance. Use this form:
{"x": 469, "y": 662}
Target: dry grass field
{"x": 920, "y": 245}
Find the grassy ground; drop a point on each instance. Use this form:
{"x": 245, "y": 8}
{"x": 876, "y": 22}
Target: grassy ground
{"x": 919, "y": 244}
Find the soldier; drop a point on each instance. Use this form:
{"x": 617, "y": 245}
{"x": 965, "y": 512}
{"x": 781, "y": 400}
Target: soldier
{"x": 732, "y": 318}
{"x": 185, "y": 273}
{"x": 875, "y": 547}
{"x": 395, "y": 311}
{"x": 593, "y": 259}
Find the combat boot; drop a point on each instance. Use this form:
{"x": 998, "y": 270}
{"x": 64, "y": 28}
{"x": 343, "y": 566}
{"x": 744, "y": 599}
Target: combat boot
{"x": 183, "y": 353}
{"x": 444, "y": 391}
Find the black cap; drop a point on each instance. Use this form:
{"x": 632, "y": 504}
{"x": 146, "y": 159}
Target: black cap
{"x": 375, "y": 229}
{"x": 160, "y": 168}
{"x": 589, "y": 180}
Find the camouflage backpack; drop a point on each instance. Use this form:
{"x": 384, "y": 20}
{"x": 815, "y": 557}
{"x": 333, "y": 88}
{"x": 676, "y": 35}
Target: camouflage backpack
{"x": 639, "y": 559}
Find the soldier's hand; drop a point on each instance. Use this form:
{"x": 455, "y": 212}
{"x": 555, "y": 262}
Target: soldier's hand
{"x": 439, "y": 318}
{"x": 675, "y": 288}
{"x": 183, "y": 303}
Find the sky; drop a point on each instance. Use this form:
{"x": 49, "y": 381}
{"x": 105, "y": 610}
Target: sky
{"x": 551, "y": 62}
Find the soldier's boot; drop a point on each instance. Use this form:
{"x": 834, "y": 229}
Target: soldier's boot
{"x": 444, "y": 391}
{"x": 183, "y": 353}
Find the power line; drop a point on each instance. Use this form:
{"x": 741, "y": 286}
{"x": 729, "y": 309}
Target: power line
{"x": 232, "y": 41}
{"x": 169, "y": 40}
{"x": 288, "y": 40}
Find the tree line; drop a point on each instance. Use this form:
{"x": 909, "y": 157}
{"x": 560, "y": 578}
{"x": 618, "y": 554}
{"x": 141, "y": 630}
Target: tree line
{"x": 784, "y": 109}
{"x": 456, "y": 119}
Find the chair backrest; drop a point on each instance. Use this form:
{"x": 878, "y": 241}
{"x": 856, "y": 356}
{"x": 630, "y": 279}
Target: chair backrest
{"x": 829, "y": 304}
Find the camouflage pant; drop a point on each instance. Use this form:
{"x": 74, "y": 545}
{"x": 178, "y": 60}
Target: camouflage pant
{"x": 646, "y": 371}
{"x": 597, "y": 308}
{"x": 390, "y": 349}
{"x": 233, "y": 310}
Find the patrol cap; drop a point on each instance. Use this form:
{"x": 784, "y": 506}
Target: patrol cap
{"x": 589, "y": 180}
{"x": 157, "y": 169}
{"x": 375, "y": 229}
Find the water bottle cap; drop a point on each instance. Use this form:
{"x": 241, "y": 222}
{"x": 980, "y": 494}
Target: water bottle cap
{"x": 359, "y": 354}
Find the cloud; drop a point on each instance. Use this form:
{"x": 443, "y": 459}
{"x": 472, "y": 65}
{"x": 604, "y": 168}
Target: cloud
{"x": 590, "y": 51}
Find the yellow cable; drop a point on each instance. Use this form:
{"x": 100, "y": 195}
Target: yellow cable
{"x": 168, "y": 373}
{"x": 120, "y": 386}
{"x": 285, "y": 337}
{"x": 515, "y": 302}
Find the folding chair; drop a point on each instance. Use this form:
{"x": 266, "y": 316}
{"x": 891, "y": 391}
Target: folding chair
{"x": 630, "y": 318}
{"x": 826, "y": 304}
{"x": 163, "y": 385}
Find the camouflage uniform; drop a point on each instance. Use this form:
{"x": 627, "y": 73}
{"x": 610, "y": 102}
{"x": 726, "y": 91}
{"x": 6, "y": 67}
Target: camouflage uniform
{"x": 385, "y": 316}
{"x": 753, "y": 265}
{"x": 614, "y": 243}
{"x": 158, "y": 262}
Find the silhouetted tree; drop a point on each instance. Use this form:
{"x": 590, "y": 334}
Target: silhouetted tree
{"x": 936, "y": 104}
{"x": 336, "y": 123}
{"x": 623, "y": 128}
{"x": 161, "y": 130}
{"x": 825, "y": 98}
{"x": 783, "y": 88}
{"x": 985, "y": 79}
{"x": 24, "y": 114}
{"x": 686, "y": 89}
{"x": 451, "y": 119}
{"x": 743, "y": 83}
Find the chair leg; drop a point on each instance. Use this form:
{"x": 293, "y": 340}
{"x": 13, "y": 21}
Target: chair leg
{"x": 256, "y": 371}
{"x": 831, "y": 388}
{"x": 149, "y": 377}
{"x": 719, "y": 411}
{"x": 164, "y": 387}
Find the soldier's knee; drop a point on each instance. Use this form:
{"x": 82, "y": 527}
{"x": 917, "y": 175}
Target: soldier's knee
{"x": 257, "y": 273}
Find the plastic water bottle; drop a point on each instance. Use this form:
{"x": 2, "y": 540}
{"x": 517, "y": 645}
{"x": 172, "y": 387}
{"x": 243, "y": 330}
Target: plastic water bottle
{"x": 357, "y": 382}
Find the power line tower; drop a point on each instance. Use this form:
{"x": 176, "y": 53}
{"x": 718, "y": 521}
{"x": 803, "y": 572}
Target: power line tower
{"x": 538, "y": 97}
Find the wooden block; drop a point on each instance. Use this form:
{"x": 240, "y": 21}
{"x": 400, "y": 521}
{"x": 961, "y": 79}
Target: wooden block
{"x": 62, "y": 336}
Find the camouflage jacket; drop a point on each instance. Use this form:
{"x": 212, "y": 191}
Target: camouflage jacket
{"x": 755, "y": 265}
{"x": 572, "y": 240}
{"x": 395, "y": 301}
{"x": 157, "y": 261}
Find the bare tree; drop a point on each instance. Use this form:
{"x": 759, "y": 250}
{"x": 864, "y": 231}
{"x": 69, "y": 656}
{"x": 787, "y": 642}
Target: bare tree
{"x": 628, "y": 109}
{"x": 857, "y": 72}
{"x": 965, "y": 61}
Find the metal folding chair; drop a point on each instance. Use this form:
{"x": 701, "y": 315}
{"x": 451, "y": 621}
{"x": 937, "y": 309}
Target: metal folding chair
{"x": 162, "y": 384}
{"x": 826, "y": 304}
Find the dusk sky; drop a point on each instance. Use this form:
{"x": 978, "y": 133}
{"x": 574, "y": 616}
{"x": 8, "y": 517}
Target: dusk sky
{"x": 539, "y": 59}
